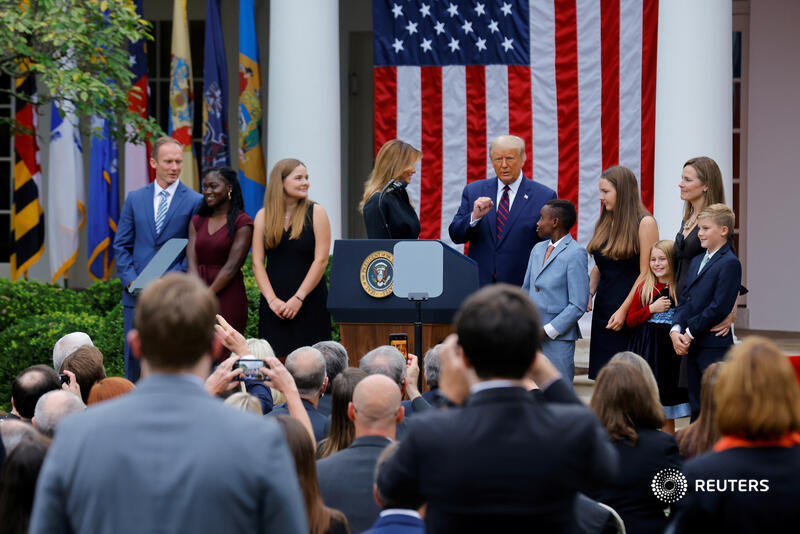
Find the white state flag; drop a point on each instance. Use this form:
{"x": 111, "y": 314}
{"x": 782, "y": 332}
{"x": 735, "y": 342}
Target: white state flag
{"x": 66, "y": 198}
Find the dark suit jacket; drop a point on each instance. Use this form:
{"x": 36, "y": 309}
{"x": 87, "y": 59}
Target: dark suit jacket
{"x": 728, "y": 511}
{"x": 397, "y": 524}
{"x": 509, "y": 257}
{"x": 630, "y": 493}
{"x": 707, "y": 298}
{"x": 346, "y": 478}
{"x": 324, "y": 404}
{"x": 167, "y": 457}
{"x": 136, "y": 241}
{"x": 504, "y": 462}
{"x": 318, "y": 421}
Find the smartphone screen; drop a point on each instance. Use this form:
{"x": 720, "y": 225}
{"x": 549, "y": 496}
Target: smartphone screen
{"x": 400, "y": 342}
{"x": 250, "y": 369}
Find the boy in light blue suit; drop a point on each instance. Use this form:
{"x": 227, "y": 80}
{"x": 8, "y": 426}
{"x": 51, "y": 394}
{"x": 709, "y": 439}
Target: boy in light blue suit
{"x": 557, "y": 280}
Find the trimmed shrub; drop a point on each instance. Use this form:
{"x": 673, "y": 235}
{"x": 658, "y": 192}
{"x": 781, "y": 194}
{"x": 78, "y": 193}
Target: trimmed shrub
{"x": 25, "y": 298}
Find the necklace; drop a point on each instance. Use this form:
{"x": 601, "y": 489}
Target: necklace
{"x": 690, "y": 222}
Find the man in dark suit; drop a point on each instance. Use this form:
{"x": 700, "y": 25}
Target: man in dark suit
{"x": 498, "y": 215}
{"x": 150, "y": 217}
{"x": 307, "y": 367}
{"x": 397, "y": 516}
{"x": 168, "y": 457}
{"x": 505, "y": 462}
{"x": 346, "y": 478}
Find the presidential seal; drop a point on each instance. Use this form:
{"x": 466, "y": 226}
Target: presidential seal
{"x": 377, "y": 274}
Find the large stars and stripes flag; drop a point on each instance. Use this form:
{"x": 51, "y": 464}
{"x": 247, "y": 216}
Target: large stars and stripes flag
{"x": 181, "y": 96}
{"x": 138, "y": 172}
{"x": 215, "y": 93}
{"x": 27, "y": 216}
{"x": 103, "y": 201}
{"x": 574, "y": 79}
{"x": 252, "y": 175}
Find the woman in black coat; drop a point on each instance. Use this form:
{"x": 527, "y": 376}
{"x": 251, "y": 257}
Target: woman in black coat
{"x": 388, "y": 212}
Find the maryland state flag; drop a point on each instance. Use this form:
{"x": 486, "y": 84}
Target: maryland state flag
{"x": 251, "y": 158}
{"x": 27, "y": 216}
{"x": 181, "y": 98}
{"x": 103, "y": 201}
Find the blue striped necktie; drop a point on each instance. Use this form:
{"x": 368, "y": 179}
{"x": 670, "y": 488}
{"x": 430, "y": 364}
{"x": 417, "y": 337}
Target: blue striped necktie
{"x": 502, "y": 213}
{"x": 162, "y": 211}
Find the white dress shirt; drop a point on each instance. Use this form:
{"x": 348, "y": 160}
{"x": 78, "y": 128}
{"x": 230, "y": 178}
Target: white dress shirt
{"x": 157, "y": 196}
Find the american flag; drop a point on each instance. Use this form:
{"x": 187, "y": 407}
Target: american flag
{"x": 576, "y": 79}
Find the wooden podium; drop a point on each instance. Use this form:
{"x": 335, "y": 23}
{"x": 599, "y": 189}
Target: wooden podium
{"x": 361, "y": 301}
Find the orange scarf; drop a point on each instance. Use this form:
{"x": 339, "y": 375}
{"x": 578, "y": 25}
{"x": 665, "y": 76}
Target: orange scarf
{"x": 731, "y": 442}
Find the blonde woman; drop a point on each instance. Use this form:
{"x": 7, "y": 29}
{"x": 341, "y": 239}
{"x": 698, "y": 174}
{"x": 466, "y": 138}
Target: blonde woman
{"x": 388, "y": 212}
{"x": 291, "y": 241}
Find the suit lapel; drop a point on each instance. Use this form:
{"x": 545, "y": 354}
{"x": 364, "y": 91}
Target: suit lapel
{"x": 149, "y": 212}
{"x": 715, "y": 258}
{"x": 519, "y": 205}
{"x": 556, "y": 251}
{"x": 490, "y": 190}
{"x": 180, "y": 196}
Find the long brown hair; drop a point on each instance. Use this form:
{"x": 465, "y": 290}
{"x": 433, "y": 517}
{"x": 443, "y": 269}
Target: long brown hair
{"x": 319, "y": 516}
{"x": 275, "y": 205}
{"x": 393, "y": 159}
{"x": 710, "y": 176}
{"x": 622, "y": 401}
{"x": 649, "y": 283}
{"x": 701, "y": 435}
{"x": 616, "y": 234}
{"x": 757, "y": 394}
{"x": 343, "y": 431}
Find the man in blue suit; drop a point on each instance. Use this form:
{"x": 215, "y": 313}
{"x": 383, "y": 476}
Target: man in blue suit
{"x": 557, "y": 280}
{"x": 498, "y": 215}
{"x": 397, "y": 516}
{"x": 150, "y": 217}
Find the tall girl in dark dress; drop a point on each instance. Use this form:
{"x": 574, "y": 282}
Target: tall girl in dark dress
{"x": 219, "y": 238}
{"x": 623, "y": 237}
{"x": 293, "y": 235}
{"x": 388, "y": 213}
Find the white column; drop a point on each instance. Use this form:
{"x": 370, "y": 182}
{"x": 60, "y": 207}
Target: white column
{"x": 303, "y": 117}
{"x": 693, "y": 99}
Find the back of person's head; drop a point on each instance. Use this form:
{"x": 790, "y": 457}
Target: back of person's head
{"x": 385, "y": 499}
{"x": 244, "y": 402}
{"x": 385, "y": 360}
{"x": 18, "y": 482}
{"x": 757, "y": 394}
{"x": 643, "y": 367}
{"x": 175, "y": 318}
{"x": 335, "y": 359}
{"x": 342, "y": 430}
{"x": 623, "y": 402}
{"x": 307, "y": 367}
{"x": 31, "y": 384}
{"x": 108, "y": 388}
{"x": 302, "y": 449}
{"x": 498, "y": 329}
{"x": 12, "y": 432}
{"x": 564, "y": 211}
{"x": 260, "y": 348}
{"x": 700, "y": 436}
{"x": 376, "y": 406}
{"x": 53, "y": 407}
{"x": 67, "y": 345}
{"x": 87, "y": 365}
{"x": 431, "y": 367}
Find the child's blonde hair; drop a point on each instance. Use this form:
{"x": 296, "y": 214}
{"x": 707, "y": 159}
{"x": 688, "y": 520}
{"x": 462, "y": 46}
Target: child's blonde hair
{"x": 719, "y": 214}
{"x": 668, "y": 248}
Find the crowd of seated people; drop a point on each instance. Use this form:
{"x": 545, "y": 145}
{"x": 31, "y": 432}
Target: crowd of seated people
{"x": 498, "y": 442}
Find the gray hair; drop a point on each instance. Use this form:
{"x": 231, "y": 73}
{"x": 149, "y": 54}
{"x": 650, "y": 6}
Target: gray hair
{"x": 507, "y": 142}
{"x": 643, "y": 367}
{"x": 385, "y": 360}
{"x": 54, "y": 406}
{"x": 259, "y": 348}
{"x": 67, "y": 345}
{"x": 309, "y": 375}
{"x": 12, "y": 432}
{"x": 431, "y": 365}
{"x": 244, "y": 402}
{"x": 335, "y": 358}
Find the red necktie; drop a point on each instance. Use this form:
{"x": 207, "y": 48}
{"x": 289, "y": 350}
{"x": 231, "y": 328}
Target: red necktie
{"x": 547, "y": 254}
{"x": 502, "y": 213}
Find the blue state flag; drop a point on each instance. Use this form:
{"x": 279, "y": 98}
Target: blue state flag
{"x": 215, "y": 93}
{"x": 103, "y": 201}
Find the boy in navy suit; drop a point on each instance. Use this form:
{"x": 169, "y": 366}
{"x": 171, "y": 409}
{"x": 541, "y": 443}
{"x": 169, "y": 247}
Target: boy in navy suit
{"x": 557, "y": 281}
{"x": 712, "y": 286}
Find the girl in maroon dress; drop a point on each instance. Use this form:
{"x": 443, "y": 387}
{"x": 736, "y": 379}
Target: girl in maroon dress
{"x": 219, "y": 239}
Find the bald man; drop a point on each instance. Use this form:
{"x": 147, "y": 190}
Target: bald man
{"x": 346, "y": 478}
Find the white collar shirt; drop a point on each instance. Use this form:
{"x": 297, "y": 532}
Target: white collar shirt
{"x": 157, "y": 196}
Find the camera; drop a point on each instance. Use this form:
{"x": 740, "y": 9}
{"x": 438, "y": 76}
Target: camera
{"x": 251, "y": 369}
{"x": 63, "y": 378}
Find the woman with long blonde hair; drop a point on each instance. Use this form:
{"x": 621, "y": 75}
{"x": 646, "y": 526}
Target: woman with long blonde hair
{"x": 388, "y": 212}
{"x": 293, "y": 233}
{"x": 623, "y": 236}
